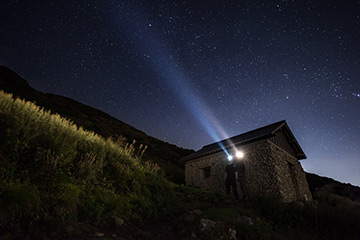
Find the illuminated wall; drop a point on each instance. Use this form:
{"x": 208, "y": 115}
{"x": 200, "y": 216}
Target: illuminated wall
{"x": 270, "y": 171}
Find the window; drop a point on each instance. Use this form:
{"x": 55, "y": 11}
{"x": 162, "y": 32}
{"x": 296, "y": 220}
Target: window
{"x": 206, "y": 172}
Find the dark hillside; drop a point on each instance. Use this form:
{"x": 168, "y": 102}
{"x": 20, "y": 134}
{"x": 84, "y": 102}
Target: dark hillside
{"x": 164, "y": 154}
{"x": 320, "y": 185}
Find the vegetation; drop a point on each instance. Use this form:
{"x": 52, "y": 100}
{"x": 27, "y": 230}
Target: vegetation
{"x": 328, "y": 217}
{"x": 58, "y": 180}
{"x": 166, "y": 155}
{"x": 55, "y": 174}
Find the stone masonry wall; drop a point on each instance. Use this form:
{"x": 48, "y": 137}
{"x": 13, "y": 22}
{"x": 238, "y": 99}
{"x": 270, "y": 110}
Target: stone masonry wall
{"x": 194, "y": 172}
{"x": 259, "y": 170}
{"x": 267, "y": 172}
{"x": 293, "y": 186}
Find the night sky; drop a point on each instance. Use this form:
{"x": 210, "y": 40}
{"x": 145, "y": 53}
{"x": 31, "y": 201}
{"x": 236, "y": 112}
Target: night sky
{"x": 194, "y": 72}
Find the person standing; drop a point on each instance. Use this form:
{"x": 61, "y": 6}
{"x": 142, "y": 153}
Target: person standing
{"x": 230, "y": 179}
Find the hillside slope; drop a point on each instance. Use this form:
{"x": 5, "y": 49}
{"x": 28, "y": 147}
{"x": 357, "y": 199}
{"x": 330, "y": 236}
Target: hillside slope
{"x": 166, "y": 155}
{"x": 60, "y": 182}
{"x": 327, "y": 187}
{"x": 56, "y": 176}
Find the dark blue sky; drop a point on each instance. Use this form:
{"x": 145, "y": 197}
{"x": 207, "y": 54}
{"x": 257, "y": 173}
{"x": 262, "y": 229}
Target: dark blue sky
{"x": 193, "y": 72}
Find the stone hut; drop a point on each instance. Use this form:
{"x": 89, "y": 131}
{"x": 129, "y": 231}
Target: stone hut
{"x": 271, "y": 160}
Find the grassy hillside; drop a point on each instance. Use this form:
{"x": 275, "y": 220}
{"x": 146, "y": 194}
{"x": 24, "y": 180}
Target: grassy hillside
{"x": 54, "y": 174}
{"x": 166, "y": 155}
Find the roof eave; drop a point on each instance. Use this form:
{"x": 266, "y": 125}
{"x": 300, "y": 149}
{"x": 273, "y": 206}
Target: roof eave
{"x": 189, "y": 158}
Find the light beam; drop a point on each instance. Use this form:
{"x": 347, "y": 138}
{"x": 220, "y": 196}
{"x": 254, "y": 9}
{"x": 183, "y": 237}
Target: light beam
{"x": 166, "y": 67}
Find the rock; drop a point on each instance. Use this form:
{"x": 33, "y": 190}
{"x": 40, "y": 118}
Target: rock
{"x": 196, "y": 212}
{"x": 192, "y": 215}
{"x": 245, "y": 219}
{"x": 206, "y": 224}
{"x": 232, "y": 233}
{"x": 118, "y": 221}
{"x": 99, "y": 234}
{"x": 193, "y": 235}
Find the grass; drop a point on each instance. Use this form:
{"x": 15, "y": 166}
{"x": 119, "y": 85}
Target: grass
{"x": 53, "y": 172}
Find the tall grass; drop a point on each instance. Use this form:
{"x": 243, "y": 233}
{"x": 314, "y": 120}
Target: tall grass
{"x": 57, "y": 171}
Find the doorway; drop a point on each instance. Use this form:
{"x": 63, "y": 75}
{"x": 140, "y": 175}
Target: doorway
{"x": 294, "y": 180}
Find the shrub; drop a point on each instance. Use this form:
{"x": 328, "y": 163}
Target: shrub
{"x": 17, "y": 201}
{"x": 101, "y": 204}
{"x": 67, "y": 201}
{"x": 283, "y": 216}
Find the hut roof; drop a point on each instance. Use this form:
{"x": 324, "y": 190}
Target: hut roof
{"x": 248, "y": 137}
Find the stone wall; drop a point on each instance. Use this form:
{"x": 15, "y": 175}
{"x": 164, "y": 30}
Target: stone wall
{"x": 259, "y": 170}
{"x": 269, "y": 171}
{"x": 194, "y": 175}
{"x": 291, "y": 176}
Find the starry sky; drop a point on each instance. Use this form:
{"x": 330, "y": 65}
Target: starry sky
{"x": 194, "y": 72}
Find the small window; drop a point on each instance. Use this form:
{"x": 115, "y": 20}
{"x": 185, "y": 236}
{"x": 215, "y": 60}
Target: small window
{"x": 206, "y": 172}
